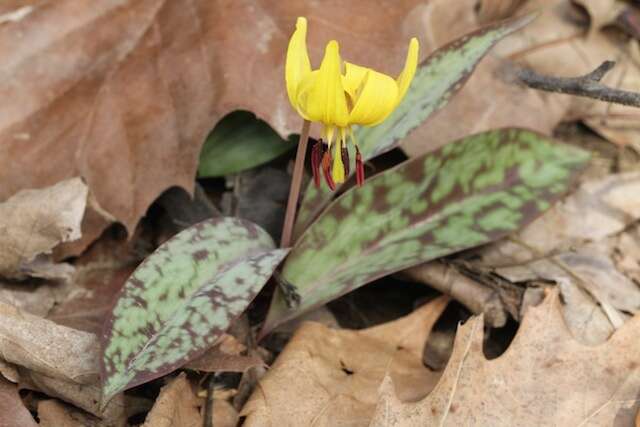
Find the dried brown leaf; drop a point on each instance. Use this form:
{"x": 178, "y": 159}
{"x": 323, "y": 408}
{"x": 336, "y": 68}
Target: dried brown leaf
{"x": 12, "y": 411}
{"x": 579, "y": 255}
{"x": 601, "y": 12}
{"x": 225, "y": 357}
{"x": 329, "y": 377}
{"x": 545, "y": 378}
{"x": 55, "y": 414}
{"x": 84, "y": 396}
{"x": 224, "y": 414}
{"x": 557, "y": 44}
{"x": 604, "y": 206}
{"x": 46, "y": 348}
{"x": 495, "y": 10}
{"x": 124, "y": 93}
{"x": 177, "y": 405}
{"x": 33, "y": 222}
{"x": 56, "y": 360}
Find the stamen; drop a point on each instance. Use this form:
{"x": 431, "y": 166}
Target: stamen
{"x": 316, "y": 157}
{"x": 326, "y": 169}
{"x": 359, "y": 168}
{"x": 344, "y": 153}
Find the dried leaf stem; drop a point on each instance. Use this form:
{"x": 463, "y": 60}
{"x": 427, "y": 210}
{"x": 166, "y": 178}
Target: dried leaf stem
{"x": 588, "y": 86}
{"x": 296, "y": 183}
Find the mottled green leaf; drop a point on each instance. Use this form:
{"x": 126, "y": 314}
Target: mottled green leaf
{"x": 239, "y": 141}
{"x": 180, "y": 300}
{"x": 437, "y": 79}
{"x": 465, "y": 194}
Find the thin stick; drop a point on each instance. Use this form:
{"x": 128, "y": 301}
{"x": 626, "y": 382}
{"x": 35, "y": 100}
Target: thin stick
{"x": 208, "y": 406}
{"x": 296, "y": 183}
{"x": 588, "y": 85}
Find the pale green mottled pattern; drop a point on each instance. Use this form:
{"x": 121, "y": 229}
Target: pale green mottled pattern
{"x": 183, "y": 297}
{"x": 465, "y": 194}
{"x": 435, "y": 82}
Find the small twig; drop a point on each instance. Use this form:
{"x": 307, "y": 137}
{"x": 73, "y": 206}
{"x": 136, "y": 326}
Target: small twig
{"x": 208, "y": 406}
{"x": 477, "y": 297}
{"x": 296, "y": 183}
{"x": 588, "y": 86}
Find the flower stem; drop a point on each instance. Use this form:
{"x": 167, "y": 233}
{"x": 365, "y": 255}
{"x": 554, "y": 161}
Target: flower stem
{"x": 296, "y": 183}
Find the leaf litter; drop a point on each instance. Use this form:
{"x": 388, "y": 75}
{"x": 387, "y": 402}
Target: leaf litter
{"x": 572, "y": 361}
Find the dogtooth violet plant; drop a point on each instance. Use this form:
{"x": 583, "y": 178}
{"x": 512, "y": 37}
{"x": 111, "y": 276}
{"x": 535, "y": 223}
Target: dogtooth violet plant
{"x": 360, "y": 96}
{"x": 185, "y": 295}
{"x": 337, "y": 95}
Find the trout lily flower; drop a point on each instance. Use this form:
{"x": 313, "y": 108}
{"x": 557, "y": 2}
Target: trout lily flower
{"x": 338, "y": 95}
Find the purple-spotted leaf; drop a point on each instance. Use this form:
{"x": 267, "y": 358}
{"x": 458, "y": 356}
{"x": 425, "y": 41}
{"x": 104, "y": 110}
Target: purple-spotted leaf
{"x": 465, "y": 194}
{"x": 181, "y": 299}
{"x": 437, "y": 79}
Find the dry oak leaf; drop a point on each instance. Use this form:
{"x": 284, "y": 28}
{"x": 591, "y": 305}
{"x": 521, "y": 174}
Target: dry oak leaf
{"x": 32, "y": 222}
{"x": 224, "y": 414}
{"x": 545, "y": 378}
{"x": 176, "y": 406}
{"x": 52, "y": 413}
{"x": 12, "y": 411}
{"x": 329, "y": 377}
{"x": 123, "y": 93}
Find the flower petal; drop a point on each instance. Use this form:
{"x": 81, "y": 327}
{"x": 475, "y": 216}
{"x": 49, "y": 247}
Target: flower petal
{"x": 376, "y": 100}
{"x": 297, "y": 65}
{"x": 352, "y": 80}
{"x": 410, "y": 65}
{"x": 325, "y": 100}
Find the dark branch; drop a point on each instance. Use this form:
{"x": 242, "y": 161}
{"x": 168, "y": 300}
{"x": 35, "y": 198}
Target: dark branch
{"x": 588, "y": 85}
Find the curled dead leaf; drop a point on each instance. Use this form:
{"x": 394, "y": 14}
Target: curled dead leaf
{"x": 142, "y": 83}
{"x": 33, "y": 222}
{"x": 330, "y": 376}
{"x": 46, "y": 348}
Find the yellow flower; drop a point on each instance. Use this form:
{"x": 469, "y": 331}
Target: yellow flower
{"x": 339, "y": 95}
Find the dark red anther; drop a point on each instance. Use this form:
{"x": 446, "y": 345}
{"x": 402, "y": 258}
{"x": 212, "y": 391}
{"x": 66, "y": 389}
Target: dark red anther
{"x": 345, "y": 158}
{"x": 326, "y": 168}
{"x": 316, "y": 158}
{"x": 359, "y": 168}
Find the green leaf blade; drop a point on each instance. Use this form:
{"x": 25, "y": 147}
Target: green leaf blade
{"x": 239, "y": 142}
{"x": 182, "y": 298}
{"x": 465, "y": 194}
{"x": 437, "y": 79}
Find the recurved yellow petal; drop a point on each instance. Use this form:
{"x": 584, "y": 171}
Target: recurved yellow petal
{"x": 376, "y": 99}
{"x": 297, "y": 65}
{"x": 352, "y": 79}
{"x": 410, "y": 65}
{"x": 326, "y": 101}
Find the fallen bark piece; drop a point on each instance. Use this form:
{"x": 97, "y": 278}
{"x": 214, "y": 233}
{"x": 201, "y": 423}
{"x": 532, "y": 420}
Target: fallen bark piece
{"x": 32, "y": 222}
